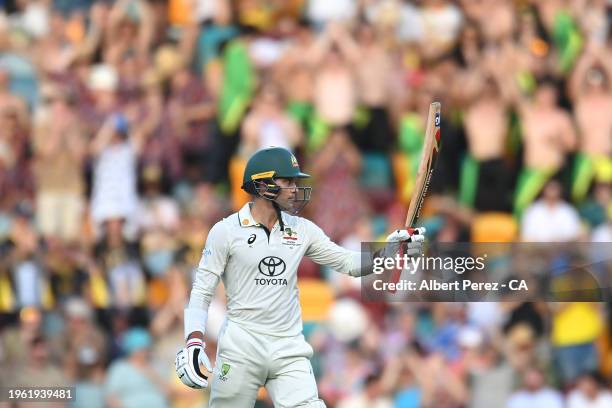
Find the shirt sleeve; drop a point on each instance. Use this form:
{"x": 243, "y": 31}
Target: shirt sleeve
{"x": 325, "y": 252}
{"x": 211, "y": 267}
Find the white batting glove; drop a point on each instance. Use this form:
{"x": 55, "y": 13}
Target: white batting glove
{"x": 188, "y": 362}
{"x": 412, "y": 240}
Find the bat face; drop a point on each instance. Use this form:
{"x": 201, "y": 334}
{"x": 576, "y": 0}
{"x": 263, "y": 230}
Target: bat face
{"x": 429, "y": 154}
{"x": 431, "y": 147}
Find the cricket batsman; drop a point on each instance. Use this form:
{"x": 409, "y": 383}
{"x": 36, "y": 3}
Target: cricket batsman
{"x": 256, "y": 252}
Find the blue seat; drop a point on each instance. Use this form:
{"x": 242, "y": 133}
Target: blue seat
{"x": 376, "y": 171}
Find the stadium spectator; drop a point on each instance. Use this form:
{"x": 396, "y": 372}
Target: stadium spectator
{"x": 441, "y": 21}
{"x": 550, "y": 219}
{"x": 15, "y": 173}
{"x": 335, "y": 96}
{"x": 10, "y": 102}
{"x": 548, "y": 135}
{"x": 133, "y": 381}
{"x": 590, "y": 392}
{"x": 575, "y": 350}
{"x": 31, "y": 283}
{"x": 590, "y": 86}
{"x": 267, "y": 125}
{"x": 117, "y": 262}
{"x": 187, "y": 118}
{"x": 15, "y": 340}
{"x": 336, "y": 167}
{"x": 115, "y": 148}
{"x": 38, "y": 368}
{"x": 59, "y": 147}
{"x": 484, "y": 182}
{"x": 535, "y": 392}
{"x": 371, "y": 396}
{"x": 82, "y": 343}
{"x": 321, "y": 12}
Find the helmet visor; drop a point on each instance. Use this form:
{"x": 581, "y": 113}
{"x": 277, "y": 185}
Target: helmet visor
{"x": 290, "y": 198}
{"x": 294, "y": 202}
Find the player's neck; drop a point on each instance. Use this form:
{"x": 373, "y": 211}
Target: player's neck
{"x": 264, "y": 213}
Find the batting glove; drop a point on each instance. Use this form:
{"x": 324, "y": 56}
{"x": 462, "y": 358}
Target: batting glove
{"x": 412, "y": 240}
{"x": 188, "y": 362}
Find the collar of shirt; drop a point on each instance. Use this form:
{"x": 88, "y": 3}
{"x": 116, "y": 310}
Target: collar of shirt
{"x": 246, "y": 218}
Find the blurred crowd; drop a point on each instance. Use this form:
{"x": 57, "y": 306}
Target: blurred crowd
{"x": 125, "y": 126}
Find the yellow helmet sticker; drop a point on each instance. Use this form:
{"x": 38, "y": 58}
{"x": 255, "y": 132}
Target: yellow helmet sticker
{"x": 265, "y": 174}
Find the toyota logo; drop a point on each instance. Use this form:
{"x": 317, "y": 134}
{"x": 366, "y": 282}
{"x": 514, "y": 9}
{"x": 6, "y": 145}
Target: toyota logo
{"x": 272, "y": 266}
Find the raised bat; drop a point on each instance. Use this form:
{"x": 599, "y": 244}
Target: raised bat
{"x": 429, "y": 154}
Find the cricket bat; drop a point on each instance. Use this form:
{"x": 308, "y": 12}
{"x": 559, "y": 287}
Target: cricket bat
{"x": 429, "y": 154}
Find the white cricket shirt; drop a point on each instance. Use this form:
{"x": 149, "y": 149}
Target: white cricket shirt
{"x": 259, "y": 270}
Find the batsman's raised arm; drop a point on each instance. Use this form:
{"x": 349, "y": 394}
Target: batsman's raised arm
{"x": 324, "y": 251}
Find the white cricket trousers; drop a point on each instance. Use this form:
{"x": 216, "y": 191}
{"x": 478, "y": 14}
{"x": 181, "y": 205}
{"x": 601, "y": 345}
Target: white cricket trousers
{"x": 247, "y": 361}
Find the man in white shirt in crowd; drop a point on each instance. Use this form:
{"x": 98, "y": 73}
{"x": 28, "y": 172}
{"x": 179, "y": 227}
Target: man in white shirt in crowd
{"x": 535, "y": 393}
{"x": 550, "y": 219}
{"x": 590, "y": 392}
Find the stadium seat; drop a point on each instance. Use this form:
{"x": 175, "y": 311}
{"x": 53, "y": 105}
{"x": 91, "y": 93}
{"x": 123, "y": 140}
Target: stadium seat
{"x": 7, "y": 296}
{"x": 178, "y": 12}
{"x": 157, "y": 293}
{"x": 404, "y": 179}
{"x": 316, "y": 298}
{"x": 376, "y": 171}
{"x": 494, "y": 227}
{"x": 236, "y": 171}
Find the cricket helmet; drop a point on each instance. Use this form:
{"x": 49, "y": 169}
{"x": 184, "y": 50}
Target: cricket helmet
{"x": 269, "y": 164}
